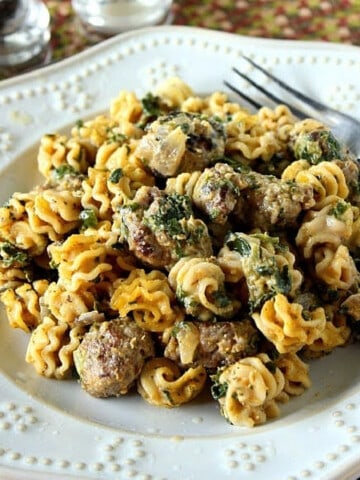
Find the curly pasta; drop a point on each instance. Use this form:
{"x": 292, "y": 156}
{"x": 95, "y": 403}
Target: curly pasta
{"x": 11, "y": 278}
{"x": 96, "y": 195}
{"x": 126, "y": 106}
{"x": 332, "y": 226}
{"x": 66, "y": 306}
{"x": 95, "y": 132}
{"x": 57, "y": 151}
{"x": 268, "y": 133}
{"x": 248, "y": 390}
{"x": 54, "y": 213}
{"x": 162, "y": 383}
{"x": 183, "y": 184}
{"x": 296, "y": 375}
{"x": 335, "y": 268}
{"x": 119, "y": 173}
{"x": 199, "y": 284}
{"x": 81, "y": 259}
{"x": 15, "y": 226}
{"x": 51, "y": 346}
{"x": 283, "y": 323}
{"x": 174, "y": 92}
{"x": 22, "y": 304}
{"x": 326, "y": 178}
{"x": 150, "y": 299}
{"x": 335, "y": 334}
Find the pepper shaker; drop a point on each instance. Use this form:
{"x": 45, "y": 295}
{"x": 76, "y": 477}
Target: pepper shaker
{"x": 24, "y": 33}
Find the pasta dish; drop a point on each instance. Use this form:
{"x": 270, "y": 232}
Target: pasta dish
{"x": 178, "y": 243}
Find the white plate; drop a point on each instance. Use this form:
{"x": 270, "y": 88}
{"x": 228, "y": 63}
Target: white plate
{"x": 52, "y": 428}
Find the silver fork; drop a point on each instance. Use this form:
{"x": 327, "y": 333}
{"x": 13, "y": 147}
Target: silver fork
{"x": 343, "y": 126}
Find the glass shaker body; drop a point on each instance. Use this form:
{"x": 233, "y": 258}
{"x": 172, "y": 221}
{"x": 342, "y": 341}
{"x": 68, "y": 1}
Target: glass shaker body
{"x": 24, "y": 32}
{"x": 109, "y": 17}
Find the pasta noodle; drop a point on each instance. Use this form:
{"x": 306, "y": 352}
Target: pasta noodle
{"x": 332, "y": 226}
{"x": 174, "y": 92}
{"x": 199, "y": 285}
{"x": 15, "y": 225}
{"x": 296, "y": 374}
{"x": 283, "y": 323}
{"x": 247, "y": 390}
{"x": 335, "y": 268}
{"x": 331, "y": 337}
{"x": 57, "y": 150}
{"x": 178, "y": 242}
{"x": 80, "y": 260}
{"x": 149, "y": 297}
{"x": 326, "y": 178}
{"x": 66, "y": 306}
{"x": 162, "y": 383}
{"x": 22, "y": 304}
{"x": 51, "y": 346}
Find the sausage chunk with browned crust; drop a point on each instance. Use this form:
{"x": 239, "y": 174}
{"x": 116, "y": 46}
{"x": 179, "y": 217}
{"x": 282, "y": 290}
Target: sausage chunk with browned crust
{"x": 111, "y": 355}
{"x": 160, "y": 228}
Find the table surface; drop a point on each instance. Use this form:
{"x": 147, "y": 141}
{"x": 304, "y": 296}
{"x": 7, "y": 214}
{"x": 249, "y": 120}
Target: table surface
{"x": 329, "y": 20}
{"x": 335, "y": 21}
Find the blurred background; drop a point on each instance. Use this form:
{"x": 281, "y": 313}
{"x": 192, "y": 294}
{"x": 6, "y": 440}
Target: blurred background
{"x": 335, "y": 21}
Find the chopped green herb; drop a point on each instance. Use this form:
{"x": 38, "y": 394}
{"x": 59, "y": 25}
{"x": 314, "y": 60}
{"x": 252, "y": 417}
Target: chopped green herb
{"x": 133, "y": 206}
{"x": 177, "y": 327}
{"x": 172, "y": 209}
{"x": 64, "y": 170}
{"x": 214, "y": 213}
{"x": 339, "y": 209}
{"x": 185, "y": 128}
{"x": 11, "y": 255}
{"x": 88, "y": 218}
{"x": 317, "y": 146}
{"x": 221, "y": 299}
{"x": 116, "y": 175}
{"x": 114, "y": 136}
{"x": 283, "y": 280}
{"x": 218, "y": 389}
{"x": 264, "y": 269}
{"x": 151, "y": 105}
{"x": 239, "y": 244}
{"x": 237, "y": 165}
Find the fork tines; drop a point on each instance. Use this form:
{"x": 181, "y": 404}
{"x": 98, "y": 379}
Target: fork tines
{"x": 300, "y": 114}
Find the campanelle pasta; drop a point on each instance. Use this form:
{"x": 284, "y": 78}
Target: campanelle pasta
{"x": 179, "y": 241}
